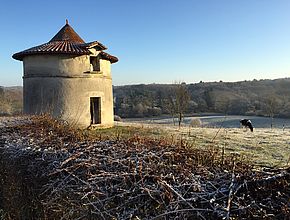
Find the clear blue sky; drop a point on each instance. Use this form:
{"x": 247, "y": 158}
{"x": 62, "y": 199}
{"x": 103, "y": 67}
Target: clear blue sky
{"x": 159, "y": 41}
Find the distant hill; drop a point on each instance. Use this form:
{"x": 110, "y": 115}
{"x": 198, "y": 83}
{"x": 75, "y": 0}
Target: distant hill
{"x": 256, "y": 97}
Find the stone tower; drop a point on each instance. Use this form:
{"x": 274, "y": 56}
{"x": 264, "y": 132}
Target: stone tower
{"x": 69, "y": 79}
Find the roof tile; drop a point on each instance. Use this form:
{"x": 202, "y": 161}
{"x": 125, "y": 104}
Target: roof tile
{"x": 66, "y": 41}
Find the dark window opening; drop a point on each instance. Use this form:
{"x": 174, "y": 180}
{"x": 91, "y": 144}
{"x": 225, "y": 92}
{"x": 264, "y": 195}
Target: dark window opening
{"x": 95, "y": 64}
{"x": 95, "y": 106}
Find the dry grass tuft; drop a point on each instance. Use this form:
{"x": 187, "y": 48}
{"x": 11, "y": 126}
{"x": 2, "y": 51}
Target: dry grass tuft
{"x": 51, "y": 171}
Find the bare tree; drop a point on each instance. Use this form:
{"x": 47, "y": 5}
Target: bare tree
{"x": 178, "y": 101}
{"x": 272, "y": 106}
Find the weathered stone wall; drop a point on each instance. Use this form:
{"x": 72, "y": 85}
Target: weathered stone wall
{"x": 55, "y": 65}
{"x": 105, "y": 66}
{"x": 62, "y": 86}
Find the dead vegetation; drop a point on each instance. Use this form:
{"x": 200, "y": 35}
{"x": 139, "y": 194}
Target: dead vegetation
{"x": 265, "y": 147}
{"x": 51, "y": 171}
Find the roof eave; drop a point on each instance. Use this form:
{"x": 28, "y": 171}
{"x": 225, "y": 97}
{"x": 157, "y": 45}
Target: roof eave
{"x": 109, "y": 57}
{"x": 94, "y": 44}
{"x": 19, "y": 56}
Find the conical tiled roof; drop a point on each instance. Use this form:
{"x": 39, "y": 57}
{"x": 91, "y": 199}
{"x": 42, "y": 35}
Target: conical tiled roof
{"x": 67, "y": 33}
{"x": 66, "y": 41}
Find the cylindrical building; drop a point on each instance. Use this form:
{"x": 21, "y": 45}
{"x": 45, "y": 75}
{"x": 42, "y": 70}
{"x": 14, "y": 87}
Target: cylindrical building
{"x": 69, "y": 79}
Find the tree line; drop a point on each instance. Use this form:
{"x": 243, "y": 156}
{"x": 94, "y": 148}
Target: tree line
{"x": 10, "y": 101}
{"x": 257, "y": 97}
{"x": 269, "y": 98}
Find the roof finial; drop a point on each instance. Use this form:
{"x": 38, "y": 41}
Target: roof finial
{"x": 66, "y": 21}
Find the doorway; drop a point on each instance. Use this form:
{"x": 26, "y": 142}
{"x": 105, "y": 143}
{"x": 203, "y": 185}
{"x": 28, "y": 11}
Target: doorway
{"x": 95, "y": 107}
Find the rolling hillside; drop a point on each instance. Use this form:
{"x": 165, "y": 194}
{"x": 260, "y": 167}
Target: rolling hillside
{"x": 257, "y": 97}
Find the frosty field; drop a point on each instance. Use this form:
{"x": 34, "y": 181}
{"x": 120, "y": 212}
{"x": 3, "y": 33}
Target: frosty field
{"x": 264, "y": 146}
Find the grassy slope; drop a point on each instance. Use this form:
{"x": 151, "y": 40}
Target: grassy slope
{"x": 80, "y": 177}
{"x": 265, "y": 147}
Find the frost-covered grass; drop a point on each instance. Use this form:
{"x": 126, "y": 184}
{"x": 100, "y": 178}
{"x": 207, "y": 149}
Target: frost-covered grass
{"x": 49, "y": 168}
{"x": 126, "y": 131}
{"x": 264, "y": 146}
